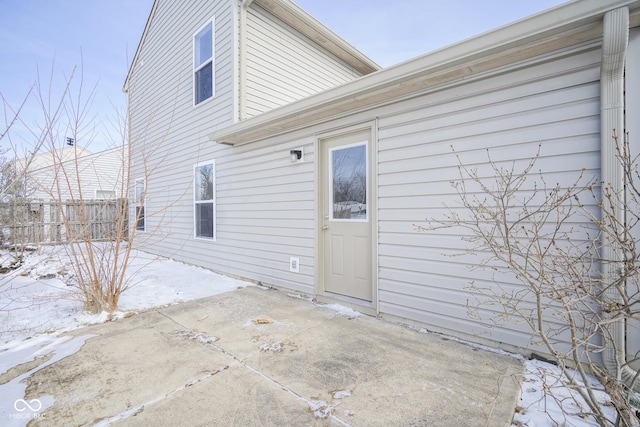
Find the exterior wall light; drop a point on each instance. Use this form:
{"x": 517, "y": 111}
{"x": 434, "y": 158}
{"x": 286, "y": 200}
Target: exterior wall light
{"x": 297, "y": 155}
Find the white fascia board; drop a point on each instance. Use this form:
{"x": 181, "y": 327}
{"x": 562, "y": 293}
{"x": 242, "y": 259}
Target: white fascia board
{"x": 580, "y": 18}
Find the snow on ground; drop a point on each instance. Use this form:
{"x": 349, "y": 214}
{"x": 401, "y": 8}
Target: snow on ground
{"x": 36, "y": 299}
{"x": 36, "y": 306}
{"x": 537, "y": 407}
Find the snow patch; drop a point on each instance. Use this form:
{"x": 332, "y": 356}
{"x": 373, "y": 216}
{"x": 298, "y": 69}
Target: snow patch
{"x": 320, "y": 408}
{"x": 197, "y": 336}
{"x": 544, "y": 400}
{"x": 33, "y": 306}
{"x": 13, "y": 391}
{"x": 271, "y": 346}
{"x": 341, "y": 394}
{"x": 343, "y": 311}
{"x": 297, "y": 296}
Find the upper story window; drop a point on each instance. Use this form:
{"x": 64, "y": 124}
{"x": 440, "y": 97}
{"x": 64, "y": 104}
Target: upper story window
{"x": 203, "y": 72}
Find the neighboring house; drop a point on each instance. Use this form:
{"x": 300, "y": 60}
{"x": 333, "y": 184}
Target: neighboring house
{"x": 47, "y": 193}
{"x": 266, "y": 147}
{"x": 74, "y": 173}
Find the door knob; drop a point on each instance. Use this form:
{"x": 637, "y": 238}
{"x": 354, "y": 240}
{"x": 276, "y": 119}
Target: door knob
{"x": 325, "y": 227}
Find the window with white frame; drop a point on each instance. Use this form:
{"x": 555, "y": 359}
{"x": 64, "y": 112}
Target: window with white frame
{"x": 204, "y": 186}
{"x": 203, "y": 63}
{"x": 139, "y": 204}
{"x": 104, "y": 194}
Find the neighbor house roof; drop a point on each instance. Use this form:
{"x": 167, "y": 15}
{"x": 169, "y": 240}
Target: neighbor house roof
{"x": 297, "y": 18}
{"x": 47, "y": 159}
{"x": 566, "y": 25}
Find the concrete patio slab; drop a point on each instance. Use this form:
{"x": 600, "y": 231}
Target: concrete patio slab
{"x": 262, "y": 357}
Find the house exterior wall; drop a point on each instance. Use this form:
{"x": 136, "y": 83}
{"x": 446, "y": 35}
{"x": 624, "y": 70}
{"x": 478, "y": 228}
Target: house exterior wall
{"x": 284, "y": 66}
{"x": 267, "y": 205}
{"x": 632, "y": 106}
{"x": 264, "y": 209}
{"x": 168, "y": 132}
{"x": 554, "y": 102}
{"x": 79, "y": 178}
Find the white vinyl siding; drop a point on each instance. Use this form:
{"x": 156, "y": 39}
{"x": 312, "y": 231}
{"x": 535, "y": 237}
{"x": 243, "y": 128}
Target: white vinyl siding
{"x": 264, "y": 210}
{"x": 104, "y": 194}
{"x": 266, "y": 206}
{"x": 284, "y": 66}
{"x": 86, "y": 177}
{"x": 632, "y": 90}
{"x": 264, "y": 203}
{"x": 168, "y": 134}
{"x": 555, "y": 103}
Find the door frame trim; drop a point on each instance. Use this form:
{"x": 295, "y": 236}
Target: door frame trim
{"x": 372, "y": 127}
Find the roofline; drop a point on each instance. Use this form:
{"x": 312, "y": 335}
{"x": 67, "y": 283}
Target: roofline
{"x": 298, "y": 18}
{"x": 565, "y": 25}
{"x": 125, "y": 87}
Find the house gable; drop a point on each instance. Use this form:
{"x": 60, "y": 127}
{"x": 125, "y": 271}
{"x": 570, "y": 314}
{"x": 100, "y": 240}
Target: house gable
{"x": 284, "y": 66}
{"x": 279, "y": 53}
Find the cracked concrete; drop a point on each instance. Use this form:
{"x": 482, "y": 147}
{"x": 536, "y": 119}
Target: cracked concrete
{"x": 218, "y": 361}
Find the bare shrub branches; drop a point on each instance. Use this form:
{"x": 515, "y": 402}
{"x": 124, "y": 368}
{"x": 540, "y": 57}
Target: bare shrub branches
{"x": 65, "y": 174}
{"x": 549, "y": 238}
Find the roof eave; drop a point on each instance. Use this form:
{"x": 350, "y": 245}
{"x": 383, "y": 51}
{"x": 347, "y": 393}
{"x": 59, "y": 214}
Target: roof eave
{"x": 563, "y": 26}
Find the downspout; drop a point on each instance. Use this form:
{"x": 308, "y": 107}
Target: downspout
{"x": 614, "y": 47}
{"x": 242, "y": 101}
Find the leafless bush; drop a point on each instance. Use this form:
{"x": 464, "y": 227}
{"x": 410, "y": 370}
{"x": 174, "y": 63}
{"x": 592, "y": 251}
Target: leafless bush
{"x": 549, "y": 238}
{"x": 100, "y": 260}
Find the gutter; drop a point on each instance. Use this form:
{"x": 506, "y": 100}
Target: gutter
{"x": 614, "y": 47}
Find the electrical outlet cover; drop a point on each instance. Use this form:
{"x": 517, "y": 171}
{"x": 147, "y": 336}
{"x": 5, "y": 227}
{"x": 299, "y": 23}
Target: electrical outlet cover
{"x": 294, "y": 265}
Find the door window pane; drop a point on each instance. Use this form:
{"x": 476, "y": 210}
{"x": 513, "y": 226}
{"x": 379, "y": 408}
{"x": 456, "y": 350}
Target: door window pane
{"x": 349, "y": 182}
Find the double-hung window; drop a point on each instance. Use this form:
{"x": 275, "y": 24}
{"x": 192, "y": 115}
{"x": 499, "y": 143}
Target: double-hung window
{"x": 204, "y": 186}
{"x": 203, "y": 63}
{"x": 139, "y": 204}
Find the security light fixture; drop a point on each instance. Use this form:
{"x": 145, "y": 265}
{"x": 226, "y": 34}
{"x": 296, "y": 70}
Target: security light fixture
{"x": 296, "y": 155}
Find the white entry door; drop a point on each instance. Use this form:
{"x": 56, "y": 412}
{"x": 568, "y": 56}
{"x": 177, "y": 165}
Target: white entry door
{"x": 346, "y": 215}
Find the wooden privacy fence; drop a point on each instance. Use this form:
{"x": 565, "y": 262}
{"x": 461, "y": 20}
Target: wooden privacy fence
{"x": 32, "y": 222}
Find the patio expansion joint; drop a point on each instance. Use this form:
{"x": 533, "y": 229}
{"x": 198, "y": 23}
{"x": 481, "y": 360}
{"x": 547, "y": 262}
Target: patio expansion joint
{"x": 319, "y": 410}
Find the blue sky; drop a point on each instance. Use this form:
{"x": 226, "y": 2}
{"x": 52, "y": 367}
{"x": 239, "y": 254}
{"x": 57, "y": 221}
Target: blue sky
{"x": 102, "y": 36}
